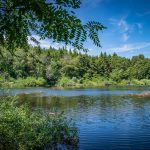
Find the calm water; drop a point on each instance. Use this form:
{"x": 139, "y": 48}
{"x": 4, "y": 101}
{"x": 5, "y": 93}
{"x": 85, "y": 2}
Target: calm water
{"x": 106, "y": 118}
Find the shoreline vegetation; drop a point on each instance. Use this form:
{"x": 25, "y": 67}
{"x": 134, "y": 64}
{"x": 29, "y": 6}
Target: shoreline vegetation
{"x": 23, "y": 128}
{"x": 37, "y": 67}
{"x": 71, "y": 83}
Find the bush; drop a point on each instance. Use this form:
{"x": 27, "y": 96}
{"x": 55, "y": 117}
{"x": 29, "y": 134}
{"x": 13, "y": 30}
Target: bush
{"x": 27, "y": 82}
{"x": 97, "y": 81}
{"x": 30, "y": 82}
{"x": 146, "y": 81}
{"x": 117, "y": 75}
{"x": 67, "y": 82}
{"x": 137, "y": 82}
{"x": 125, "y": 82}
{"x": 21, "y": 129}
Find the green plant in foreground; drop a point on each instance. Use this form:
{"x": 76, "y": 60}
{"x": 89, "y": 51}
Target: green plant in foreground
{"x": 23, "y": 129}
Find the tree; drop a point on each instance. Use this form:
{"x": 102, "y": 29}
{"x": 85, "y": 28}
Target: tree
{"x": 52, "y": 73}
{"x": 52, "y": 19}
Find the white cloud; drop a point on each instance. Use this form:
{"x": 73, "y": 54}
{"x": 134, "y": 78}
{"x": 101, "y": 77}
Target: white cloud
{"x": 123, "y": 27}
{"x": 125, "y": 37}
{"x": 44, "y": 43}
{"x": 121, "y": 23}
{"x": 131, "y": 47}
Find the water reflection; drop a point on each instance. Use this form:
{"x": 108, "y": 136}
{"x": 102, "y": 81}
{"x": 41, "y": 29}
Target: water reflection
{"x": 105, "y": 121}
{"x": 76, "y": 92}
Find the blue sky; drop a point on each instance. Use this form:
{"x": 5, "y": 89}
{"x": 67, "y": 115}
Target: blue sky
{"x": 127, "y": 22}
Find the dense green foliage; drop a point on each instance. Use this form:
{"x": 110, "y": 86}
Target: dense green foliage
{"x": 41, "y": 67}
{"x": 23, "y": 129}
{"x": 56, "y": 20}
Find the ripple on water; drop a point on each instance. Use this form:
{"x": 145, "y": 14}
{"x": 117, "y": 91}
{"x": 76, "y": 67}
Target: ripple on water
{"x": 106, "y": 118}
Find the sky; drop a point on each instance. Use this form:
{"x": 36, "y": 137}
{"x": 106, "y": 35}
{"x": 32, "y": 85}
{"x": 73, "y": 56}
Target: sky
{"x": 127, "y": 22}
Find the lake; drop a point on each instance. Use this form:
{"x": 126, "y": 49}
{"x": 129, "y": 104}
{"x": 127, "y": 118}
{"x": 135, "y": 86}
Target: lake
{"x": 107, "y": 118}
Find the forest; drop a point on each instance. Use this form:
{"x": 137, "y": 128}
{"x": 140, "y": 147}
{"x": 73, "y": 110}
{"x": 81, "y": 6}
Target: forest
{"x": 52, "y": 67}
{"x": 29, "y": 122}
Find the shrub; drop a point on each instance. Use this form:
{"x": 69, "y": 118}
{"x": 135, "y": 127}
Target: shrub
{"x": 27, "y": 82}
{"x": 23, "y": 129}
{"x": 31, "y": 82}
{"x": 146, "y": 81}
{"x": 1, "y": 78}
{"x": 119, "y": 75}
{"x": 137, "y": 82}
{"x": 98, "y": 81}
{"x": 67, "y": 82}
{"x": 125, "y": 82}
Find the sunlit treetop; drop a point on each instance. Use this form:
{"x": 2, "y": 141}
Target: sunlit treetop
{"x": 52, "y": 19}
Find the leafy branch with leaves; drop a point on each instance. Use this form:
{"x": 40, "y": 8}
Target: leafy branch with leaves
{"x": 52, "y": 19}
